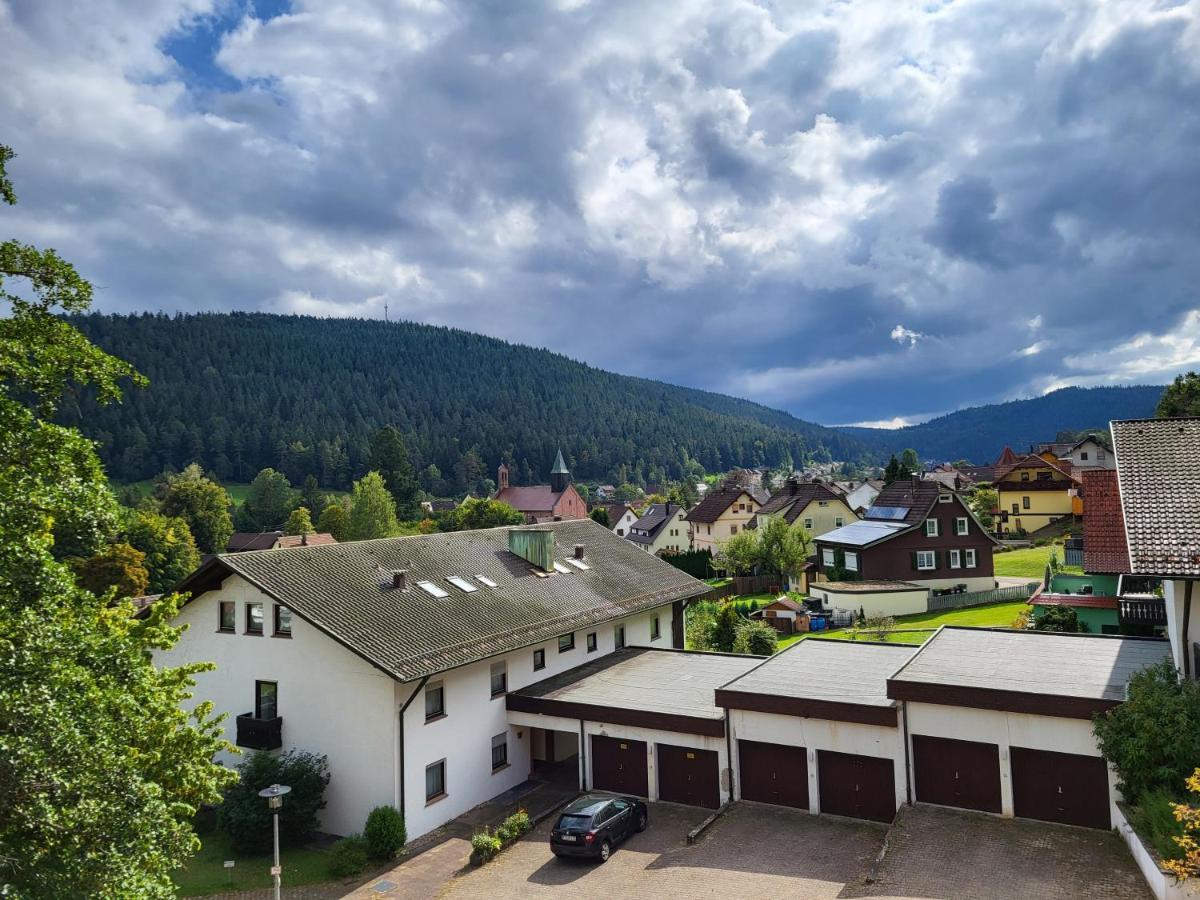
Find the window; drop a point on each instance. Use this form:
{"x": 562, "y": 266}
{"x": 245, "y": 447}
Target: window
{"x": 1016, "y": 509}
{"x": 500, "y": 752}
{"x": 266, "y": 700}
{"x": 931, "y": 528}
{"x": 1100, "y": 456}
{"x": 827, "y": 557}
{"x": 822, "y": 503}
{"x": 955, "y": 560}
{"x": 435, "y": 701}
{"x": 944, "y": 498}
{"x": 462, "y": 584}
{"x": 591, "y": 642}
{"x": 655, "y": 631}
{"x": 838, "y": 522}
{"x": 733, "y": 529}
{"x": 483, "y": 579}
{"x": 1044, "y": 476}
{"x": 851, "y": 561}
{"x": 619, "y": 637}
{"x": 566, "y": 642}
{"x": 1024, "y": 476}
{"x": 283, "y": 621}
{"x": 1024, "y": 503}
{"x": 539, "y": 659}
{"x": 227, "y": 620}
{"x": 970, "y": 554}
{"x": 254, "y": 618}
{"x": 435, "y": 780}
{"x": 808, "y": 524}
{"x": 1083, "y": 455}
{"x": 741, "y": 507}
{"x": 962, "y": 525}
{"x": 499, "y": 678}
{"x": 432, "y": 589}
{"x": 926, "y": 560}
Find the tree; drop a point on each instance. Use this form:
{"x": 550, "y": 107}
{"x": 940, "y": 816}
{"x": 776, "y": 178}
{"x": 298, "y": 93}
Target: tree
{"x": 469, "y": 471}
{"x": 372, "y": 510}
{"x": 389, "y": 457}
{"x": 1060, "y": 618}
{"x": 891, "y": 471}
{"x": 473, "y": 513}
{"x": 983, "y": 500}
{"x": 741, "y": 554}
{"x": 170, "y": 550}
{"x": 878, "y": 626}
{"x": 724, "y": 628}
{"x": 627, "y": 491}
{"x": 600, "y": 514}
{"x": 312, "y": 497}
{"x": 202, "y": 503}
{"x": 683, "y": 493}
{"x": 1181, "y": 398}
{"x": 101, "y": 770}
{"x": 698, "y": 626}
{"x": 299, "y": 522}
{"x": 910, "y": 461}
{"x": 245, "y": 817}
{"x": 117, "y": 566}
{"x": 267, "y": 503}
{"x": 757, "y": 638}
{"x": 335, "y": 519}
{"x": 783, "y": 548}
{"x": 1189, "y": 817}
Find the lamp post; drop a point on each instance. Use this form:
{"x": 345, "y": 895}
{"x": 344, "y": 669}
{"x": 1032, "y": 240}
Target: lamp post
{"x": 274, "y": 797}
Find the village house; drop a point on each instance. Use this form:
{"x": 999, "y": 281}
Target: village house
{"x": 722, "y": 513}
{"x": 1035, "y": 491}
{"x": 543, "y": 502}
{"x": 621, "y": 515}
{"x": 241, "y": 541}
{"x": 1088, "y": 453}
{"x": 663, "y": 528}
{"x": 815, "y": 505}
{"x": 858, "y": 495}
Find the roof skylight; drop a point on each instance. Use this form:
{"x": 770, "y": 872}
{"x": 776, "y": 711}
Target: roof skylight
{"x": 483, "y": 579}
{"x": 432, "y": 589}
{"x": 462, "y": 584}
{"x": 559, "y": 567}
{"x": 578, "y": 563}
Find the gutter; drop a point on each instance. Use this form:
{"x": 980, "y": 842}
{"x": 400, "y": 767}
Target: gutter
{"x": 403, "y": 710}
{"x": 1187, "y": 621}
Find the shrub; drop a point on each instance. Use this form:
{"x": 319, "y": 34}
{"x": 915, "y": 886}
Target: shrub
{"x": 384, "y": 832}
{"x": 244, "y": 815}
{"x": 514, "y": 826}
{"x": 724, "y": 630}
{"x": 1060, "y": 618}
{"x": 1153, "y": 818}
{"x": 1188, "y": 818}
{"x": 757, "y": 638}
{"x": 348, "y": 856}
{"x": 484, "y": 846}
{"x": 1153, "y": 738}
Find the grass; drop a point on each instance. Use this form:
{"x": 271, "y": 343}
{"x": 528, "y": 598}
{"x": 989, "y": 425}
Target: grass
{"x": 718, "y": 582}
{"x": 205, "y": 872}
{"x": 1029, "y": 562}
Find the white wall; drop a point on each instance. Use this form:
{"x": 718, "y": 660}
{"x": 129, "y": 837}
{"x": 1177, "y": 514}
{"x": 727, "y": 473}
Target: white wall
{"x": 1173, "y": 595}
{"x": 823, "y": 734}
{"x": 331, "y": 701}
{"x": 1006, "y": 729}
{"x": 463, "y": 737}
{"x": 876, "y": 603}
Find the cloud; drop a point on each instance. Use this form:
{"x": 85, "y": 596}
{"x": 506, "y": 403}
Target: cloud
{"x": 743, "y": 197}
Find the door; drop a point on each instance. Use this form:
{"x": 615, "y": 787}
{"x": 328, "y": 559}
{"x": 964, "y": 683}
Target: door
{"x": 688, "y": 775}
{"x": 622, "y": 820}
{"x": 773, "y": 773}
{"x": 1060, "y": 787}
{"x": 861, "y": 787}
{"x": 965, "y": 774}
{"x": 619, "y": 765}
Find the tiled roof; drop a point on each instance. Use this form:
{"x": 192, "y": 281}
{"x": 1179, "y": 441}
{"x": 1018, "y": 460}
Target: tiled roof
{"x": 918, "y": 497}
{"x": 1033, "y": 461}
{"x": 717, "y": 500}
{"x": 658, "y": 515}
{"x": 1085, "y": 601}
{"x": 1159, "y": 474}
{"x": 1104, "y": 547}
{"x": 306, "y": 540}
{"x": 795, "y": 495}
{"x": 345, "y": 590}
{"x": 529, "y": 498}
{"x": 1005, "y": 458}
{"x": 252, "y": 540}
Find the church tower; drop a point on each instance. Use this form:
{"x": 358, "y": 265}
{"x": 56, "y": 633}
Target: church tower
{"x": 560, "y": 477}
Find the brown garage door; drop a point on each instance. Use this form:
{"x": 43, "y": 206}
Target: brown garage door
{"x": 687, "y": 775}
{"x": 965, "y": 774}
{"x": 862, "y": 787}
{"x": 1060, "y": 787}
{"x": 619, "y": 765}
{"x": 773, "y": 773}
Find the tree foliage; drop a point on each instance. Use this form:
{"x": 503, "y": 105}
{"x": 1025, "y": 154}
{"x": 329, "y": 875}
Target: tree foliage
{"x": 299, "y": 522}
{"x": 171, "y": 553}
{"x": 984, "y": 498}
{"x": 1059, "y": 618}
{"x": 244, "y": 815}
{"x": 202, "y": 503}
{"x": 384, "y": 832}
{"x": 268, "y": 502}
{"x": 600, "y": 515}
{"x": 118, "y": 567}
{"x": 757, "y": 638}
{"x": 1181, "y": 398}
{"x": 389, "y": 457}
{"x": 773, "y": 548}
{"x": 724, "y": 629}
{"x": 1189, "y": 842}
{"x": 372, "y": 510}
{"x": 335, "y": 519}
{"x": 473, "y": 513}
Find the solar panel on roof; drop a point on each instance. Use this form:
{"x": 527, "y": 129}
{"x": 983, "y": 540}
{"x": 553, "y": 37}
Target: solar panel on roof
{"x": 887, "y": 512}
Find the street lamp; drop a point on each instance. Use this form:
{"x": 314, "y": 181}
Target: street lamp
{"x": 274, "y": 797}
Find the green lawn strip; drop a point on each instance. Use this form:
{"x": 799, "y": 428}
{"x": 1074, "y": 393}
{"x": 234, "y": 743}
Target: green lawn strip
{"x": 205, "y": 872}
{"x": 718, "y": 582}
{"x": 1029, "y": 562}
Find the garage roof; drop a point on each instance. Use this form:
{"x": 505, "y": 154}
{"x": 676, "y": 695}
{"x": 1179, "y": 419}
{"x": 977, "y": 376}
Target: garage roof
{"x": 671, "y": 690}
{"x": 823, "y": 679}
{"x": 1048, "y": 673}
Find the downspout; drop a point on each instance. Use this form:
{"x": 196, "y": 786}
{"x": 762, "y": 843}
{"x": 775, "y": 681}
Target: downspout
{"x": 907, "y": 760}
{"x": 1184, "y": 649}
{"x": 729, "y": 751}
{"x": 403, "y": 710}
{"x": 582, "y": 758}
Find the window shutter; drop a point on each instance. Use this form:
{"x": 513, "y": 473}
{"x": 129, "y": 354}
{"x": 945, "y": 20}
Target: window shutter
{"x": 914, "y": 560}
{"x": 937, "y": 559}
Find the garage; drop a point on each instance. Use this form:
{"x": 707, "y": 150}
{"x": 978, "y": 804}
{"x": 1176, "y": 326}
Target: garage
{"x": 773, "y": 773}
{"x": 1060, "y": 787}
{"x": 949, "y": 772}
{"x": 689, "y": 775}
{"x": 619, "y": 765}
{"x": 861, "y": 787}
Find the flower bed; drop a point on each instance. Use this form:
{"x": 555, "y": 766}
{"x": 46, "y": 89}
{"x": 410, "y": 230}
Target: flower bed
{"x": 485, "y": 845}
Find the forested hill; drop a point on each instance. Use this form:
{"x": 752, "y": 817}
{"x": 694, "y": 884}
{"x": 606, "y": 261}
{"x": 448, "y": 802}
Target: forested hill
{"x": 239, "y": 392}
{"x": 980, "y": 433}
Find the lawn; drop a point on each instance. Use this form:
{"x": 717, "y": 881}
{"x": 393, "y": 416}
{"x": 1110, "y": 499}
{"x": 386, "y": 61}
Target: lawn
{"x": 1029, "y": 563}
{"x": 205, "y": 873}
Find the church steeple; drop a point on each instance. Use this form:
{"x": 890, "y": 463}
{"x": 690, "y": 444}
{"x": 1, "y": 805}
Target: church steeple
{"x": 560, "y": 475}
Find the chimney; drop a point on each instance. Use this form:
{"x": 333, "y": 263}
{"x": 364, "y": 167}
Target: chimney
{"x": 304, "y": 539}
{"x": 399, "y": 579}
{"x": 579, "y": 551}
{"x": 534, "y": 546}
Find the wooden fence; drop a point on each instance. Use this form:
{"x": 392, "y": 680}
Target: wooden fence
{"x": 719, "y": 593}
{"x": 982, "y": 598}
{"x": 756, "y": 584}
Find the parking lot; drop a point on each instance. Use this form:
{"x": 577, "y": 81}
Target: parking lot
{"x": 766, "y": 851}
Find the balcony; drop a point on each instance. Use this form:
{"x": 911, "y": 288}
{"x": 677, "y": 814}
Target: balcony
{"x": 1143, "y": 611}
{"x": 259, "y": 734}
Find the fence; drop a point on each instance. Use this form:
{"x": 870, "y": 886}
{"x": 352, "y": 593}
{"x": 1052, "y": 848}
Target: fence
{"x": 697, "y": 563}
{"x": 757, "y": 584}
{"x": 982, "y": 598}
{"x": 720, "y": 592}
{"x": 1073, "y": 556}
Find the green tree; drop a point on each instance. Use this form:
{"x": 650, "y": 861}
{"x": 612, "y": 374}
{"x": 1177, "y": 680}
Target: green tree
{"x": 170, "y": 550}
{"x": 372, "y": 510}
{"x": 389, "y": 457}
{"x": 299, "y": 522}
{"x": 202, "y": 503}
{"x": 473, "y": 513}
{"x": 891, "y": 471}
{"x": 684, "y": 493}
{"x": 1181, "y": 398}
{"x": 1059, "y": 618}
{"x": 910, "y": 460}
{"x": 267, "y": 503}
{"x": 784, "y": 549}
{"x": 335, "y": 519}
{"x": 724, "y": 628}
{"x": 312, "y": 497}
{"x": 118, "y": 566}
{"x": 983, "y": 500}
{"x": 627, "y": 491}
{"x": 101, "y": 770}
{"x": 600, "y": 514}
{"x": 757, "y": 638}
{"x": 698, "y": 626}
{"x": 741, "y": 554}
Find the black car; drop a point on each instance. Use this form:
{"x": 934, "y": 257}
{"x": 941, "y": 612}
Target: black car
{"x": 595, "y": 823}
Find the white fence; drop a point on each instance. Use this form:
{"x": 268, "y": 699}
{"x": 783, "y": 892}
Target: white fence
{"x": 982, "y": 598}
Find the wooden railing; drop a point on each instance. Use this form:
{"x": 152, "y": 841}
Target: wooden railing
{"x": 982, "y": 598}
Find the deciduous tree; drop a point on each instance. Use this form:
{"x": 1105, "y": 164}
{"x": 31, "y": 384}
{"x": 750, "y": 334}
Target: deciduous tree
{"x": 335, "y": 519}
{"x": 200, "y": 502}
{"x": 757, "y": 638}
{"x": 473, "y": 513}
{"x": 170, "y": 550}
{"x": 118, "y": 566}
{"x": 267, "y": 503}
{"x": 299, "y": 522}
{"x": 372, "y": 510}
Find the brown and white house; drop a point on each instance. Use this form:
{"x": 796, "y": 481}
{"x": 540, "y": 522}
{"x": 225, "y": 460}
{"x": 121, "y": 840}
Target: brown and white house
{"x": 543, "y": 502}
{"x": 817, "y": 506}
{"x": 724, "y": 511}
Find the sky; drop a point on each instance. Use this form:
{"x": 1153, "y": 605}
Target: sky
{"x": 870, "y": 211}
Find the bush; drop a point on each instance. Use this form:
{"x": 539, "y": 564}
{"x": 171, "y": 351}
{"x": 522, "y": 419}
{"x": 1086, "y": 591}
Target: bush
{"x": 385, "y": 832}
{"x": 515, "y": 826}
{"x": 484, "y": 846}
{"x": 1153, "y": 738}
{"x": 348, "y": 856}
{"x": 244, "y": 815}
{"x": 1060, "y": 618}
{"x": 757, "y": 638}
{"x": 1153, "y": 818}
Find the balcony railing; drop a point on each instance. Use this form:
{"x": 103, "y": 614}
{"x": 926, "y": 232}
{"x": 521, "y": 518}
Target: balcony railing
{"x": 259, "y": 734}
{"x": 1143, "y": 611}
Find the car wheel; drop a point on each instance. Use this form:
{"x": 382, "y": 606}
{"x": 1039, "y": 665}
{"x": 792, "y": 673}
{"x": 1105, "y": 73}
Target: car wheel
{"x": 605, "y": 851}
{"x": 641, "y": 822}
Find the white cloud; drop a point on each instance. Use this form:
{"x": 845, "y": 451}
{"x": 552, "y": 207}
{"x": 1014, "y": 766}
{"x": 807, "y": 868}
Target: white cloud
{"x": 902, "y": 336}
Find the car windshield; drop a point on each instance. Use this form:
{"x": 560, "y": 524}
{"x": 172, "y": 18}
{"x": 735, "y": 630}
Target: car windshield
{"x": 566, "y": 822}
